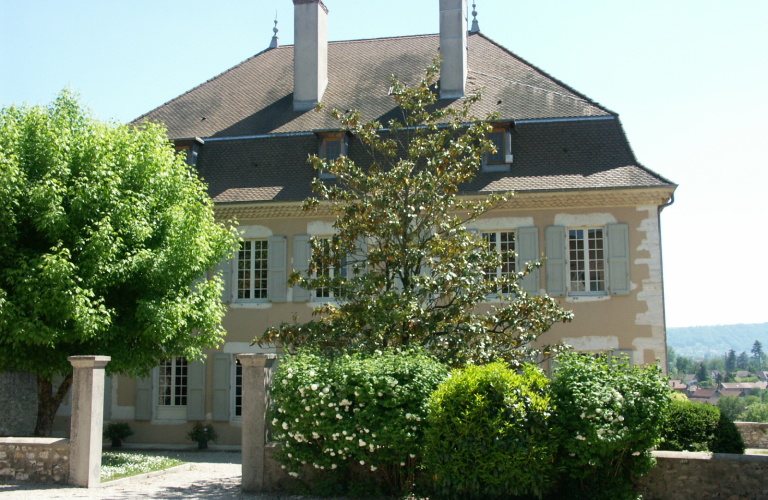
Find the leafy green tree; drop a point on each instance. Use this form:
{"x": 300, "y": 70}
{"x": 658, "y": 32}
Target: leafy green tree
{"x": 104, "y": 229}
{"x": 732, "y": 406}
{"x": 742, "y": 362}
{"x": 684, "y": 365}
{"x": 702, "y": 374}
{"x": 671, "y": 357}
{"x": 756, "y": 412}
{"x": 422, "y": 278}
{"x": 730, "y": 361}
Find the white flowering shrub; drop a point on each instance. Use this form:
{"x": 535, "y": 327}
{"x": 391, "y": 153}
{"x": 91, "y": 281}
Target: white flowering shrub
{"x": 611, "y": 417}
{"x": 354, "y": 409}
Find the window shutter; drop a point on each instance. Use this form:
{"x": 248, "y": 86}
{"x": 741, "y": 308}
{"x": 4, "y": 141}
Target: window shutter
{"x": 225, "y": 268}
{"x": 221, "y": 374}
{"x": 358, "y": 260}
{"x": 618, "y": 258}
{"x": 143, "y": 399}
{"x": 555, "y": 266}
{"x": 196, "y": 390}
{"x": 528, "y": 251}
{"x": 508, "y": 157}
{"x": 107, "y": 415}
{"x": 301, "y": 251}
{"x": 277, "y": 277}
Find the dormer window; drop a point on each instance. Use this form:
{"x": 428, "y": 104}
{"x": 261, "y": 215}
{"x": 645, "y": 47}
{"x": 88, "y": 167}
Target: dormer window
{"x": 501, "y": 138}
{"x": 331, "y": 147}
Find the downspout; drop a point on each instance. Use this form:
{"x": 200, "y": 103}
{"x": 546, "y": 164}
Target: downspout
{"x": 663, "y": 294}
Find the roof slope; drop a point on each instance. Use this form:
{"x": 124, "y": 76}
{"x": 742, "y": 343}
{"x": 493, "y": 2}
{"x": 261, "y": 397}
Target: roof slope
{"x": 256, "y": 96}
{"x": 585, "y": 154}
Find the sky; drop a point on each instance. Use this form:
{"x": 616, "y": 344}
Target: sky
{"x": 688, "y": 79}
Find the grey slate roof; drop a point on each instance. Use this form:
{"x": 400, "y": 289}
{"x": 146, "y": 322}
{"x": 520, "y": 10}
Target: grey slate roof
{"x": 256, "y": 146}
{"x": 255, "y": 97}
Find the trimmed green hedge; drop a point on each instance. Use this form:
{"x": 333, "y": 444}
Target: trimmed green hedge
{"x": 490, "y": 434}
{"x": 700, "y": 427}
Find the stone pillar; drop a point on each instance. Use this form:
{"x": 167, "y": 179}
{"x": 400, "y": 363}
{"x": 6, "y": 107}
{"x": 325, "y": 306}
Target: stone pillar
{"x": 87, "y": 420}
{"x": 256, "y": 381}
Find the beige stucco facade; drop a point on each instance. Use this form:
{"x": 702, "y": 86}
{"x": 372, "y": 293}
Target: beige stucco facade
{"x": 632, "y": 323}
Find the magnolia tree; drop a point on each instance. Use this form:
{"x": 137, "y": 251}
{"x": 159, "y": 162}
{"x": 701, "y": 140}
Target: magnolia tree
{"x": 402, "y": 267}
{"x": 104, "y": 231}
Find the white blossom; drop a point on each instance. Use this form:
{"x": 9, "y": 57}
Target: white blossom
{"x": 361, "y": 442}
{"x": 285, "y": 425}
{"x": 333, "y": 466}
{"x": 285, "y": 382}
{"x": 338, "y": 415}
{"x": 362, "y": 462}
{"x": 293, "y": 474}
{"x": 373, "y": 468}
{"x": 313, "y": 387}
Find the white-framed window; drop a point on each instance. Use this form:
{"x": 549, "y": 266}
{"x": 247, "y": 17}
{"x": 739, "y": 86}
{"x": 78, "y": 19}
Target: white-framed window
{"x": 323, "y": 245}
{"x": 252, "y": 266}
{"x": 172, "y": 385}
{"x": 503, "y": 243}
{"x": 237, "y": 390}
{"x": 586, "y": 261}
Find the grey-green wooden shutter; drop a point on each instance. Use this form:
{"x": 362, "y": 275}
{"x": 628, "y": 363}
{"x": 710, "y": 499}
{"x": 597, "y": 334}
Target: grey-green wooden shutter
{"x": 301, "y": 252}
{"x": 225, "y": 267}
{"x": 618, "y": 258}
{"x": 196, "y": 390}
{"x": 358, "y": 259}
{"x": 107, "y": 398}
{"x": 527, "y": 246}
{"x": 277, "y": 277}
{"x": 555, "y": 266}
{"x": 143, "y": 399}
{"x": 221, "y": 374}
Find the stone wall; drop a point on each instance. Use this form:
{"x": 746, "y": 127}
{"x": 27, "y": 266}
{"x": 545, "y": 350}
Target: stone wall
{"x": 44, "y": 460}
{"x": 685, "y": 475}
{"x": 755, "y": 435}
{"x": 18, "y": 404}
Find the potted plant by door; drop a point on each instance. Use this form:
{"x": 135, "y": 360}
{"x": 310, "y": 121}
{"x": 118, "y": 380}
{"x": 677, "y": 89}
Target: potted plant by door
{"x": 117, "y": 433}
{"x": 201, "y": 434}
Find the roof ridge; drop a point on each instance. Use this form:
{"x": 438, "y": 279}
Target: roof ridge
{"x": 544, "y": 73}
{"x": 208, "y": 80}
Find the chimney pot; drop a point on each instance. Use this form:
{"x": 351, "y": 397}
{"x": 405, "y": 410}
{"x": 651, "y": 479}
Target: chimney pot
{"x": 453, "y": 48}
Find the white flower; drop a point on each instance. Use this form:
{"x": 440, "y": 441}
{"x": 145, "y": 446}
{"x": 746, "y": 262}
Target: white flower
{"x": 361, "y": 442}
{"x": 599, "y": 410}
{"x": 285, "y": 426}
{"x": 333, "y": 453}
{"x": 326, "y": 390}
{"x": 330, "y": 405}
{"x": 394, "y": 383}
{"x": 572, "y": 454}
{"x": 283, "y": 466}
{"x": 413, "y": 427}
{"x": 583, "y": 415}
{"x": 367, "y": 431}
{"x": 408, "y": 416}
{"x": 373, "y": 468}
{"x": 362, "y": 462}
{"x": 333, "y": 466}
{"x": 357, "y": 393}
{"x": 290, "y": 375}
{"x": 345, "y": 402}
{"x": 412, "y": 455}
{"x": 290, "y": 456}
{"x": 274, "y": 421}
{"x": 338, "y": 415}
{"x": 316, "y": 435}
{"x": 621, "y": 419}
{"x": 285, "y": 382}
{"x": 344, "y": 432}
{"x": 297, "y": 420}
{"x": 316, "y": 466}
{"x": 311, "y": 373}
{"x": 402, "y": 464}
{"x": 418, "y": 419}
{"x": 313, "y": 387}
{"x": 306, "y": 408}
{"x": 380, "y": 394}
{"x": 373, "y": 435}
{"x": 303, "y": 462}
{"x": 349, "y": 438}
{"x": 371, "y": 448}
{"x": 322, "y": 413}
{"x": 293, "y": 474}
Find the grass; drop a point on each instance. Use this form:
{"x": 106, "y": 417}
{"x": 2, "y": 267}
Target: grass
{"x": 116, "y": 465}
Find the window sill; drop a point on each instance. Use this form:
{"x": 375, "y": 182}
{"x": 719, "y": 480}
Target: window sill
{"x": 587, "y": 297}
{"x": 251, "y": 305}
{"x": 496, "y": 167}
{"x": 161, "y": 421}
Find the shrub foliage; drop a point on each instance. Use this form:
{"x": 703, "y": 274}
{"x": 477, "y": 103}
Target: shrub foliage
{"x": 490, "y": 434}
{"x": 354, "y": 409}
{"x": 611, "y": 416}
{"x": 691, "y": 426}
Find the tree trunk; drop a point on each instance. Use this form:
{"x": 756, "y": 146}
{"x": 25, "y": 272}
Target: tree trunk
{"x": 48, "y": 403}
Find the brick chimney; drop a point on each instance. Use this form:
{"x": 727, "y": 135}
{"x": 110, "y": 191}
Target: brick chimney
{"x": 453, "y": 48}
{"x": 310, "y": 53}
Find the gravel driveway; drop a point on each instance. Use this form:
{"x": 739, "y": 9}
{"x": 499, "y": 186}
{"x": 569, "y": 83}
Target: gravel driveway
{"x": 213, "y": 475}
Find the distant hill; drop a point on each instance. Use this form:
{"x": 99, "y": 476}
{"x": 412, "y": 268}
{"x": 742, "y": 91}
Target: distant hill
{"x": 699, "y": 341}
